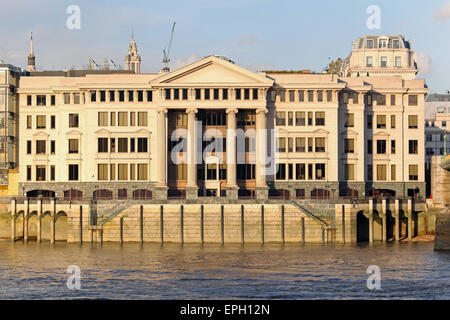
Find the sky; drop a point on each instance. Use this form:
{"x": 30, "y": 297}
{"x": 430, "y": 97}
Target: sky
{"x": 256, "y": 34}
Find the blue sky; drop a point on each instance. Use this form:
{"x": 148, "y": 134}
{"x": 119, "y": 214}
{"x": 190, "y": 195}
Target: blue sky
{"x": 257, "y": 34}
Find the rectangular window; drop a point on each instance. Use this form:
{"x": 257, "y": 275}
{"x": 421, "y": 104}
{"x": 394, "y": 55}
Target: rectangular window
{"x": 349, "y": 145}
{"x": 28, "y": 173}
{"x": 398, "y": 61}
{"x": 112, "y": 117}
{"x": 381, "y": 172}
{"x": 396, "y": 44}
{"x": 142, "y": 119}
{"x": 281, "y": 172}
{"x": 393, "y": 172}
{"x": 413, "y": 122}
{"x": 320, "y": 171}
{"x": 383, "y": 62}
{"x": 176, "y": 94}
{"x": 320, "y": 144}
{"x": 413, "y": 172}
{"x": 149, "y": 95}
{"x": 102, "y": 144}
{"x": 185, "y": 94}
{"x": 140, "y": 96}
{"x": 52, "y": 146}
{"x": 319, "y": 95}
{"x": 41, "y": 100}
{"x": 142, "y": 145}
{"x": 300, "y": 118}
{"x": 40, "y": 173}
{"x": 392, "y": 146}
{"x": 113, "y": 145}
{"x": 112, "y": 96}
{"x": 281, "y": 118}
{"x": 301, "y": 96}
{"x": 238, "y": 94}
{"x": 102, "y": 171}
{"x": 369, "y": 44}
{"x": 52, "y": 173}
{"x": 281, "y": 145}
{"x": 93, "y": 96}
{"x": 121, "y": 96}
{"x": 300, "y": 145}
{"x": 132, "y": 171}
{"x": 73, "y": 120}
{"x": 320, "y": 118}
{"x": 310, "y": 96}
{"x": 198, "y": 94}
{"x": 349, "y": 172}
{"x": 300, "y": 171}
{"x": 216, "y": 94}
{"x": 413, "y": 147}
{"x": 29, "y": 147}
{"x": 381, "y": 146}
{"x": 40, "y": 122}
{"x": 349, "y": 120}
{"x": 290, "y": 145}
{"x": 142, "y": 171}
{"x": 392, "y": 121}
{"x": 73, "y": 172}
{"x": 130, "y": 95}
{"x": 310, "y": 171}
{"x": 28, "y": 100}
{"x": 102, "y": 95}
{"x": 40, "y": 146}
{"x": 282, "y": 94}
{"x": 132, "y": 145}
{"x": 123, "y": 171}
{"x": 123, "y": 119}
{"x": 369, "y": 61}
{"x": 132, "y": 119}
{"x": 29, "y": 122}
{"x": 207, "y": 94}
{"x": 52, "y": 122}
{"x": 412, "y": 100}
{"x": 355, "y": 97}
{"x": 381, "y": 121}
{"x": 246, "y": 94}
{"x": 73, "y": 145}
{"x": 329, "y": 95}
{"x": 112, "y": 172}
{"x": 392, "y": 99}
{"x": 52, "y": 100}
{"x": 310, "y": 144}
{"x": 290, "y": 118}
{"x": 66, "y": 98}
{"x": 103, "y": 119}
{"x": 76, "y": 98}
{"x": 310, "y": 118}
{"x": 122, "y": 144}
{"x": 225, "y": 94}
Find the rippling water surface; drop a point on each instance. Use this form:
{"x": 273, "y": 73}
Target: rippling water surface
{"x": 151, "y": 271}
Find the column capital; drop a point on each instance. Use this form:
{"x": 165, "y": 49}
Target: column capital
{"x": 164, "y": 110}
{"x": 232, "y": 110}
{"x": 259, "y": 110}
{"x": 189, "y": 110}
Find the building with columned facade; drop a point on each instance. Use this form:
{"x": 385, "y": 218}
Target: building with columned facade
{"x": 215, "y": 129}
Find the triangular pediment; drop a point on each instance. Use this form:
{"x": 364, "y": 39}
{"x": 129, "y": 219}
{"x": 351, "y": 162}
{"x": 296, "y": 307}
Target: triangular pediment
{"x": 41, "y": 134}
{"x": 381, "y": 134}
{"x": 143, "y": 131}
{"x": 74, "y": 133}
{"x": 102, "y": 131}
{"x": 212, "y": 71}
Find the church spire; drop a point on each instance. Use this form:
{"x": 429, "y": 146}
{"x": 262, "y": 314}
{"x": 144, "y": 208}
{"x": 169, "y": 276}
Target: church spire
{"x": 133, "y": 60}
{"x": 31, "y": 57}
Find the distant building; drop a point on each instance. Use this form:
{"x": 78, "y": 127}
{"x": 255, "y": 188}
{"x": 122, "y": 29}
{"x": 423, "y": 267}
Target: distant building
{"x": 385, "y": 56}
{"x": 133, "y": 60}
{"x": 437, "y": 129}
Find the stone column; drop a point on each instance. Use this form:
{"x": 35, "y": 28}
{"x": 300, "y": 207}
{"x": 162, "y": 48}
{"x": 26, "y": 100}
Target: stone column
{"x": 261, "y": 154}
{"x": 161, "y": 158}
{"x": 13, "y": 219}
{"x": 38, "y": 222}
{"x": 371, "y": 220}
{"x": 410, "y": 217}
{"x": 232, "y": 188}
{"x": 191, "y": 187}
{"x": 397, "y": 219}
{"x": 25, "y": 219}
{"x": 52, "y": 220}
{"x": 384, "y": 217}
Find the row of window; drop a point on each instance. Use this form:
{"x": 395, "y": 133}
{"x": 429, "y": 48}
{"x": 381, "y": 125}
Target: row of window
{"x": 211, "y": 94}
{"x": 122, "y": 118}
{"x": 122, "y": 171}
{"x": 302, "y": 144}
{"x": 381, "y": 172}
{"x": 41, "y": 173}
{"x": 105, "y": 145}
{"x": 381, "y": 122}
{"x": 413, "y": 146}
{"x": 384, "y": 61}
{"x": 303, "y": 171}
{"x": 302, "y": 118}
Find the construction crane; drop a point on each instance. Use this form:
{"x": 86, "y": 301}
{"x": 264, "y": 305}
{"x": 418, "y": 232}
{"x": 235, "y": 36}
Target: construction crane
{"x": 166, "y": 58}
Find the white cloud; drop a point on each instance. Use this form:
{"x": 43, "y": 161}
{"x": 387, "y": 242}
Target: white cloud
{"x": 443, "y": 13}
{"x": 179, "y": 63}
{"x": 246, "y": 40}
{"x": 424, "y": 62}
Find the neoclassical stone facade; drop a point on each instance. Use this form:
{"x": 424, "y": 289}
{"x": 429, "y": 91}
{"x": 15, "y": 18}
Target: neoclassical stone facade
{"x": 213, "y": 128}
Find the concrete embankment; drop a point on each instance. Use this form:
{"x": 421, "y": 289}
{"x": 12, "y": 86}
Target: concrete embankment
{"x": 442, "y": 238}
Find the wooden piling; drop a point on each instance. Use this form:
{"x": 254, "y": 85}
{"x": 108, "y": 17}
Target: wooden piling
{"x": 262, "y": 224}
{"x": 222, "y": 224}
{"x": 202, "y": 224}
{"x": 141, "y": 219}
{"x": 303, "y": 230}
{"x": 182, "y": 224}
{"x": 242, "y": 225}
{"x": 161, "y": 223}
{"x": 282, "y": 224}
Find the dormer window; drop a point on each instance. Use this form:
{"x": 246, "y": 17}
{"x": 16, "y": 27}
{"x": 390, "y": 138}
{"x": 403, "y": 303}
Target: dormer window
{"x": 383, "y": 43}
{"x": 369, "y": 44}
{"x": 396, "y": 44}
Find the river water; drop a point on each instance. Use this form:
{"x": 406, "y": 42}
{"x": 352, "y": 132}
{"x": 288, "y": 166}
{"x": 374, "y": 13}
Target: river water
{"x": 151, "y": 271}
